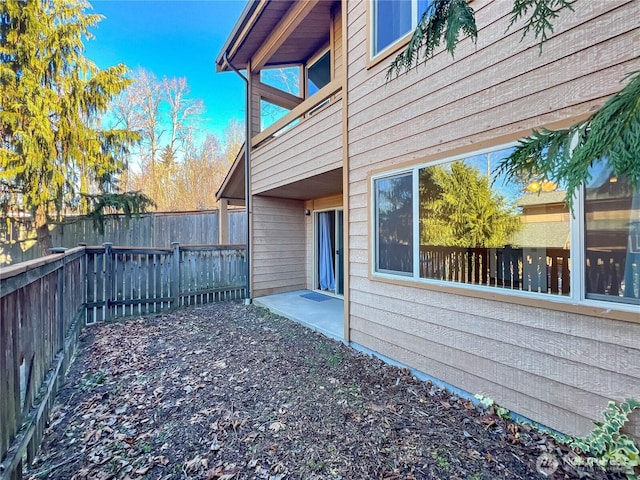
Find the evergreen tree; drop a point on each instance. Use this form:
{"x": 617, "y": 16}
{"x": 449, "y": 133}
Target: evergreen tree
{"x": 54, "y": 158}
{"x": 561, "y": 156}
{"x": 458, "y": 208}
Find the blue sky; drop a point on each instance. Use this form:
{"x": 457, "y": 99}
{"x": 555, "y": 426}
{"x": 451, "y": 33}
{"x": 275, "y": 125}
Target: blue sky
{"x": 174, "y": 39}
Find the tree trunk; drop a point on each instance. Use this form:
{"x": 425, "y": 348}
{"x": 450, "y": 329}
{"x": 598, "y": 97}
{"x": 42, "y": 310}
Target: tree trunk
{"x": 42, "y": 231}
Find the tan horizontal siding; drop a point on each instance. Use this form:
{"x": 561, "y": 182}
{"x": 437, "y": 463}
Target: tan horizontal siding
{"x": 534, "y": 408}
{"x": 452, "y": 318}
{"x": 515, "y": 82}
{"x": 493, "y": 135}
{"x": 555, "y": 367}
{"x": 443, "y": 124}
{"x": 308, "y": 149}
{"x": 493, "y": 47}
{"x": 278, "y": 246}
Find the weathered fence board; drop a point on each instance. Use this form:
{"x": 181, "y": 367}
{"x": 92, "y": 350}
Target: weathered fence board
{"x": 208, "y": 275}
{"x": 41, "y": 304}
{"x": 17, "y": 242}
{"x": 124, "y": 281}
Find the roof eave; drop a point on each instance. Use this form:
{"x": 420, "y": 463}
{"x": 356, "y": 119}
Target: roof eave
{"x": 220, "y": 194}
{"x": 232, "y": 39}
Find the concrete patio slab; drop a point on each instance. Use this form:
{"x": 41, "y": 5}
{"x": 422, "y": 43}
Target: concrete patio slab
{"x": 322, "y": 313}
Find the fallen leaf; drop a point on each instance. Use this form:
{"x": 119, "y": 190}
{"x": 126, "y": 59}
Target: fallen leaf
{"x": 276, "y": 426}
{"x": 161, "y": 460}
{"x": 215, "y": 445}
{"x": 250, "y": 437}
{"x": 194, "y": 464}
{"x": 143, "y": 470}
{"x": 476, "y": 455}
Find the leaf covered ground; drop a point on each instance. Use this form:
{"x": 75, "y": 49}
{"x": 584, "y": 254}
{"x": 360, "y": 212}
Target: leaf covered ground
{"x": 228, "y": 391}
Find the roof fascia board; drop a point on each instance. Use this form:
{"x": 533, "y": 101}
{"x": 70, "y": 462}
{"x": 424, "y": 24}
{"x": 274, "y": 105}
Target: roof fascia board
{"x": 230, "y": 173}
{"x": 241, "y": 29}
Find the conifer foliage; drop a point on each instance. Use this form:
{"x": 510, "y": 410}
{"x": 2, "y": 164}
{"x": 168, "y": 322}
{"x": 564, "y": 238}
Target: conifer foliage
{"x": 559, "y": 156}
{"x": 54, "y": 157}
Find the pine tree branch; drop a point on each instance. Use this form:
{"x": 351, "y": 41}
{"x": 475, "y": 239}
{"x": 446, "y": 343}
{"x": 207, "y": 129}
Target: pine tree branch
{"x": 446, "y": 21}
{"x": 564, "y": 156}
{"x": 544, "y": 11}
{"x": 443, "y": 21}
{"x": 129, "y": 204}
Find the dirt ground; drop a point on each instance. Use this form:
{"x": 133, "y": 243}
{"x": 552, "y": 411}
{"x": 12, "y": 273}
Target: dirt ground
{"x": 228, "y": 391}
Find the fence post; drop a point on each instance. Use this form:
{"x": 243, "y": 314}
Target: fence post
{"x": 223, "y": 222}
{"x": 175, "y": 274}
{"x": 108, "y": 265}
{"x": 60, "y": 297}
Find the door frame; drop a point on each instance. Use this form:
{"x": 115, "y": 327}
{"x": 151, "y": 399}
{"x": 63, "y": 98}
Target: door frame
{"x": 316, "y": 273}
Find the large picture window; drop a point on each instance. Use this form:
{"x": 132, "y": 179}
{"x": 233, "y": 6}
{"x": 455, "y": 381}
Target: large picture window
{"x": 474, "y": 228}
{"x": 612, "y": 237}
{"x": 392, "y": 20}
{"x": 394, "y": 224}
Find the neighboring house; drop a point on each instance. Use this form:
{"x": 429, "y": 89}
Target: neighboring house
{"x": 340, "y": 201}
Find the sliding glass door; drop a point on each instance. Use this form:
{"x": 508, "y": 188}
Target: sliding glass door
{"x": 329, "y": 252}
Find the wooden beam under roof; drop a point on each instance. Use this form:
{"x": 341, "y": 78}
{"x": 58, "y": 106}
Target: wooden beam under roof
{"x": 277, "y": 97}
{"x": 287, "y": 25}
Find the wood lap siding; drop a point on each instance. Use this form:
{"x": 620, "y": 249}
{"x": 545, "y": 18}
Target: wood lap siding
{"x": 311, "y": 148}
{"x": 278, "y": 246}
{"x": 557, "y": 368}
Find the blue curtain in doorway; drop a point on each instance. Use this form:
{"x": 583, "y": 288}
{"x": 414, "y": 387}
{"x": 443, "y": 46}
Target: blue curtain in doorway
{"x": 325, "y": 253}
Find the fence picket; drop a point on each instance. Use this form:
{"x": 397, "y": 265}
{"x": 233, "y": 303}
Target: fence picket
{"x": 45, "y": 305}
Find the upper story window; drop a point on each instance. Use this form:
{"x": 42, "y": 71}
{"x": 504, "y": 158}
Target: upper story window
{"x": 392, "y": 20}
{"x": 318, "y": 73}
{"x": 467, "y": 226}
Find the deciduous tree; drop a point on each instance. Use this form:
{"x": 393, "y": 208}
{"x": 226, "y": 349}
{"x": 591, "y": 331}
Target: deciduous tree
{"x": 54, "y": 157}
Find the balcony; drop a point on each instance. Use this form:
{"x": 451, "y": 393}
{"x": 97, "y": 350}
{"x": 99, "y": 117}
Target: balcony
{"x": 303, "y": 159}
{"x": 300, "y": 155}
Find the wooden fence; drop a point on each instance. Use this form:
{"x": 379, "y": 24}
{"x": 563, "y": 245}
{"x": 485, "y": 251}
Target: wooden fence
{"x": 43, "y": 303}
{"x": 41, "y": 308}
{"x": 157, "y": 229}
{"x": 123, "y": 281}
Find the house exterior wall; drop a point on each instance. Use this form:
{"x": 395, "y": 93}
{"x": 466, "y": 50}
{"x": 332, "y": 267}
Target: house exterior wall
{"x": 310, "y": 148}
{"x": 558, "y": 366}
{"x": 279, "y": 245}
{"x": 336, "y": 41}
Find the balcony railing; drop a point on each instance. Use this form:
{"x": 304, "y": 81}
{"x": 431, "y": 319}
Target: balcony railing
{"x": 299, "y": 112}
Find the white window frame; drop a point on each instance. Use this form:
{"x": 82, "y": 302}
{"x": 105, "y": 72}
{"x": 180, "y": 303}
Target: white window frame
{"x": 577, "y": 257}
{"x": 373, "y": 32}
{"x": 375, "y": 237}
